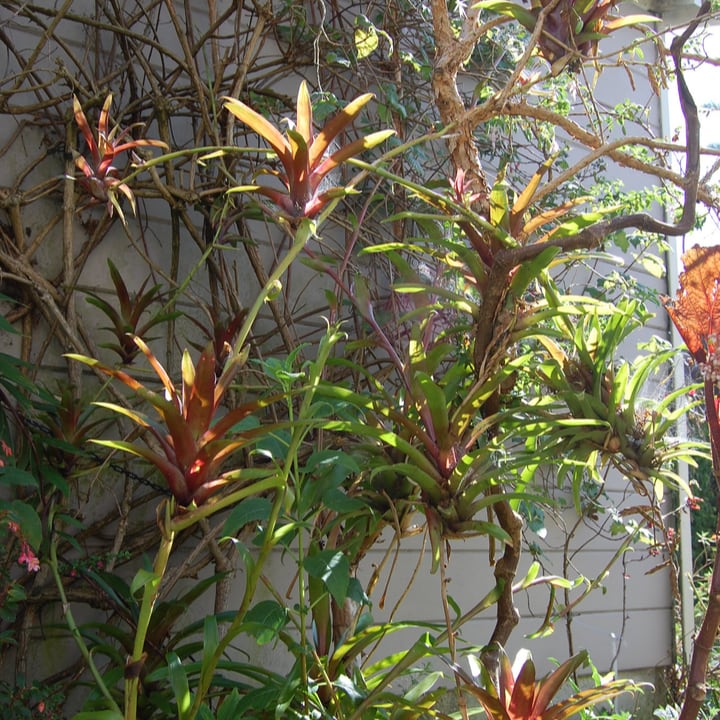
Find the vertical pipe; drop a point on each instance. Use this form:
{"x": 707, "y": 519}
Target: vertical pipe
{"x": 687, "y": 600}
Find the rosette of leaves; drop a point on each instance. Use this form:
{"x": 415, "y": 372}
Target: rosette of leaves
{"x": 98, "y": 175}
{"x": 126, "y": 312}
{"x": 571, "y": 28}
{"x": 195, "y": 437}
{"x": 306, "y": 158}
{"x": 516, "y": 694}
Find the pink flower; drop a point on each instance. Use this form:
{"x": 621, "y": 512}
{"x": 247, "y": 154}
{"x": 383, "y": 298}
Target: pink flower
{"x": 6, "y": 448}
{"x": 28, "y": 557}
{"x": 13, "y": 528}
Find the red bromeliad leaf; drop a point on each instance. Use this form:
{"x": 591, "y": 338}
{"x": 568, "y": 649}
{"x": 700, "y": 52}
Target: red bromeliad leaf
{"x": 335, "y": 125}
{"x": 522, "y": 697}
{"x": 549, "y": 686}
{"x": 696, "y": 308}
{"x": 257, "y": 123}
{"x": 84, "y": 127}
{"x": 346, "y": 153}
{"x": 100, "y": 176}
{"x": 199, "y": 391}
{"x": 194, "y": 445}
{"x": 521, "y": 702}
{"x": 506, "y": 678}
{"x": 304, "y": 119}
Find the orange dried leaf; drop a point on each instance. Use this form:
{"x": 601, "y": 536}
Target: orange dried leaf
{"x": 696, "y": 308}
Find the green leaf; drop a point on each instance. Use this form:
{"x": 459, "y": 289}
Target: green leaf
{"x": 653, "y": 265}
{"x": 26, "y": 518}
{"x": 251, "y": 510}
{"x": 142, "y": 578}
{"x": 517, "y": 12}
{"x": 179, "y": 684}
{"x": 333, "y": 463}
{"x": 98, "y": 715}
{"x": 530, "y": 576}
{"x": 211, "y": 638}
{"x": 229, "y": 708}
{"x": 356, "y": 592}
{"x": 335, "y": 499}
{"x": 333, "y": 568}
{"x": 11, "y": 475}
{"x": 434, "y": 397}
{"x": 528, "y": 271}
{"x": 265, "y": 620}
{"x": 56, "y": 479}
{"x": 366, "y": 40}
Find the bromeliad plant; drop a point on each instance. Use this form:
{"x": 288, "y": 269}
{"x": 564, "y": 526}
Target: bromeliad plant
{"x": 306, "y": 157}
{"x": 126, "y": 317}
{"x": 514, "y": 693}
{"x": 98, "y": 176}
{"x": 571, "y": 28}
{"x": 196, "y": 437}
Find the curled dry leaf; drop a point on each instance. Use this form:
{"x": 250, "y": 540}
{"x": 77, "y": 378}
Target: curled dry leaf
{"x": 696, "y": 308}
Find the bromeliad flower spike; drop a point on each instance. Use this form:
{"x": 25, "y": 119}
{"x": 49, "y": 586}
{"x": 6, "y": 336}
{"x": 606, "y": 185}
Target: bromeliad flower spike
{"x": 98, "y": 176}
{"x": 304, "y": 155}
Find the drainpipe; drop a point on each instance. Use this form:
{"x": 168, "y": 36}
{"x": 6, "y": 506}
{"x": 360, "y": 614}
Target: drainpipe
{"x": 687, "y": 598}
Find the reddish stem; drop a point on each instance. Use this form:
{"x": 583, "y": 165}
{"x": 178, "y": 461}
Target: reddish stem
{"x": 705, "y": 639}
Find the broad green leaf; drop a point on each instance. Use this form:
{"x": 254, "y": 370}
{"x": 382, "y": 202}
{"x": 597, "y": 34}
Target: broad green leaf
{"x": 517, "y": 12}
{"x": 142, "y": 578}
{"x": 528, "y": 271}
{"x": 335, "y": 499}
{"x": 366, "y": 40}
{"x": 422, "y": 686}
{"x": 179, "y": 684}
{"x": 265, "y": 620}
{"x": 11, "y": 475}
{"x": 251, "y": 510}
{"x": 228, "y": 710}
{"x": 333, "y": 568}
{"x": 26, "y": 518}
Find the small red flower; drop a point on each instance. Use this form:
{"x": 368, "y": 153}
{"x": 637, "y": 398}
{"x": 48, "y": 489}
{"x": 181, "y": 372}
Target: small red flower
{"x": 28, "y": 558}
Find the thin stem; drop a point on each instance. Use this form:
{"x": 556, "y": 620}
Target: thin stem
{"x": 151, "y": 592}
{"x": 75, "y": 631}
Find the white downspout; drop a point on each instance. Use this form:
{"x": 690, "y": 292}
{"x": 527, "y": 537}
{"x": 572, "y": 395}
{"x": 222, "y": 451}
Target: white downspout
{"x": 687, "y": 598}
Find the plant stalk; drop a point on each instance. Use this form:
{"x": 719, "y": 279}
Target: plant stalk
{"x": 151, "y": 591}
